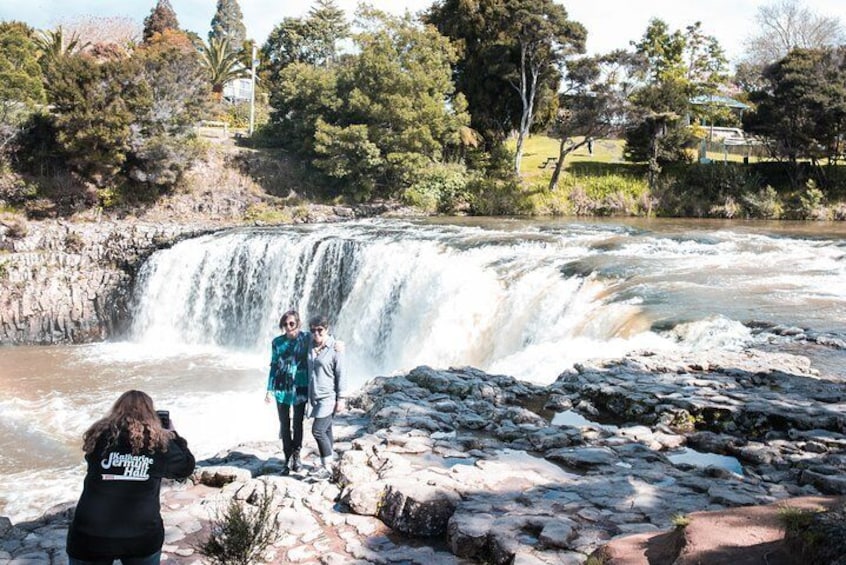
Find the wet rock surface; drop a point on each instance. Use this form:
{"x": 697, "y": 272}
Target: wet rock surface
{"x": 458, "y": 466}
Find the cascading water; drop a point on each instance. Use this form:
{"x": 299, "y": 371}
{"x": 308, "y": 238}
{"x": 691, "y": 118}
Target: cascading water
{"x": 400, "y": 295}
{"x": 527, "y": 299}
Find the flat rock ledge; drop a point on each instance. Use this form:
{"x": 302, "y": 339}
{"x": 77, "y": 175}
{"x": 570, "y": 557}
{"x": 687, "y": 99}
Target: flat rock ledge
{"x": 460, "y": 466}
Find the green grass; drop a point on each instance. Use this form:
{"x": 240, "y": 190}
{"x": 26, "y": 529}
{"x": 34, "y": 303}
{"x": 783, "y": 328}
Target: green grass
{"x": 538, "y": 148}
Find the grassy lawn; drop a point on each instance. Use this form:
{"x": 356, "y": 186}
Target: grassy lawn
{"x": 538, "y": 148}
{"x": 607, "y": 158}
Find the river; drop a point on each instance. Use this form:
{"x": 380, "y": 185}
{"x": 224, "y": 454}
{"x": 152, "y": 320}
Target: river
{"x": 518, "y": 297}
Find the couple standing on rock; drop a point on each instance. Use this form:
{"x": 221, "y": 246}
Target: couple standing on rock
{"x": 306, "y": 369}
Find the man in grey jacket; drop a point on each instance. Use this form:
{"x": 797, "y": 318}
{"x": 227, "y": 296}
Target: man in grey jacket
{"x": 326, "y": 388}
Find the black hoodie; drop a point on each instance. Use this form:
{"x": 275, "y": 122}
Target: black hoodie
{"x": 118, "y": 514}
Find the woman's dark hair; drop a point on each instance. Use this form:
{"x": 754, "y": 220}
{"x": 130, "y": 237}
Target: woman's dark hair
{"x": 319, "y": 321}
{"x": 133, "y": 414}
{"x": 289, "y": 314}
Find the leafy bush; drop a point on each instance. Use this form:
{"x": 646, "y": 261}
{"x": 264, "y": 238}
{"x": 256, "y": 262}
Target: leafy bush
{"x": 497, "y": 197}
{"x": 764, "y": 203}
{"x": 241, "y": 533}
{"x": 440, "y": 188}
{"x": 811, "y": 203}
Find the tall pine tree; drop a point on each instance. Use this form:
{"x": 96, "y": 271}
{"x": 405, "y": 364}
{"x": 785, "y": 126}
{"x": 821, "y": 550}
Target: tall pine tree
{"x": 228, "y": 24}
{"x": 161, "y": 18}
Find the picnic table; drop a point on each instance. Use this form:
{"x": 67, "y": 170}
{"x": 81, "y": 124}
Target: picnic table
{"x": 549, "y": 161}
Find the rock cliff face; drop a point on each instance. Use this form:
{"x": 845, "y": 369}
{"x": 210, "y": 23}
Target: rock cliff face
{"x": 70, "y": 282}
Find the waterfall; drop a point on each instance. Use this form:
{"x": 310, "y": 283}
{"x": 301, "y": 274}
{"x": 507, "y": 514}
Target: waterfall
{"x": 516, "y": 298}
{"x": 399, "y": 295}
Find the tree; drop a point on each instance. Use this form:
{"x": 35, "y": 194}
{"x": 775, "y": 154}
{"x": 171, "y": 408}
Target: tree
{"x": 511, "y": 54}
{"x": 222, "y": 64}
{"x": 20, "y": 80}
{"x": 328, "y": 23}
{"x": 593, "y": 103}
{"x": 787, "y": 24}
{"x": 56, "y": 43}
{"x": 161, "y": 18}
{"x": 312, "y": 40}
{"x": 160, "y": 149}
{"x": 228, "y": 24}
{"x": 92, "y": 30}
{"x": 93, "y": 113}
{"x": 398, "y": 98}
{"x": 673, "y": 67}
{"x": 544, "y": 37}
{"x": 302, "y": 95}
{"x": 802, "y": 112}
{"x": 128, "y": 117}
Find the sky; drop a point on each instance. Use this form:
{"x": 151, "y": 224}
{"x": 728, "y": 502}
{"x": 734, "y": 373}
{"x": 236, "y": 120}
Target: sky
{"x": 611, "y": 24}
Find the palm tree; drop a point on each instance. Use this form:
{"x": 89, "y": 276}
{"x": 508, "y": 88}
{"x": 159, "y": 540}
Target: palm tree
{"x": 53, "y": 44}
{"x": 222, "y": 64}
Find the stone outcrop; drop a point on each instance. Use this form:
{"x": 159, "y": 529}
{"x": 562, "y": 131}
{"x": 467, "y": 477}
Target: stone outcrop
{"x": 68, "y": 282}
{"x": 458, "y": 466}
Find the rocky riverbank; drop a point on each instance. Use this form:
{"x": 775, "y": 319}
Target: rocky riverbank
{"x": 67, "y": 281}
{"x": 458, "y": 466}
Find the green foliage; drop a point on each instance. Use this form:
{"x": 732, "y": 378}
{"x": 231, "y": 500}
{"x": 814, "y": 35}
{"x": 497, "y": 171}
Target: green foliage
{"x": 377, "y": 119}
{"x": 221, "y": 61}
{"x": 802, "y": 110}
{"x": 228, "y": 24}
{"x": 491, "y": 196}
{"x": 243, "y": 532}
{"x": 126, "y": 117}
{"x": 764, "y": 203}
{"x": 348, "y": 155}
{"x": 812, "y": 203}
{"x": 312, "y": 40}
{"x": 54, "y": 44}
{"x": 237, "y": 115}
{"x": 265, "y": 214}
{"x": 440, "y": 188}
{"x": 162, "y": 18}
{"x": 93, "y": 109}
{"x": 675, "y": 67}
{"x": 509, "y": 65}
{"x": 20, "y": 82}
{"x": 302, "y": 95}
{"x": 680, "y": 521}
{"x": 714, "y": 189}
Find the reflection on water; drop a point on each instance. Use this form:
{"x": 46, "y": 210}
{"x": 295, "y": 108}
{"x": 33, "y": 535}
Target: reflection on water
{"x": 690, "y": 456}
{"x": 576, "y": 420}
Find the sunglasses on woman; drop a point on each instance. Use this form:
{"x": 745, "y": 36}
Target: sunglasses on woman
{"x": 317, "y": 330}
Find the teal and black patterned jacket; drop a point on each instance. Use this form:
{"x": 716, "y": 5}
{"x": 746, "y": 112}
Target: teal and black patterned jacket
{"x": 288, "y": 376}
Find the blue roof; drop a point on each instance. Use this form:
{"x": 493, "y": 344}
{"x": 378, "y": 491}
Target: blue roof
{"x": 715, "y": 100}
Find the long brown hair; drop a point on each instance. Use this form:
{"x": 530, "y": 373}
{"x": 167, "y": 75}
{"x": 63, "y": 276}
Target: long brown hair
{"x": 132, "y": 413}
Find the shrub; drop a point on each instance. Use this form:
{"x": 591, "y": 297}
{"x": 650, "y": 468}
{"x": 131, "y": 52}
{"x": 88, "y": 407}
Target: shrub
{"x": 764, "y": 203}
{"x": 440, "y": 188}
{"x": 241, "y": 533}
{"x": 266, "y": 214}
{"x": 817, "y": 536}
{"x": 16, "y": 227}
{"x": 74, "y": 242}
{"x": 496, "y": 197}
{"x": 811, "y": 203}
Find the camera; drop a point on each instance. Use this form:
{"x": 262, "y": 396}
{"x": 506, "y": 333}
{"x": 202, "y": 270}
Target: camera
{"x": 164, "y": 418}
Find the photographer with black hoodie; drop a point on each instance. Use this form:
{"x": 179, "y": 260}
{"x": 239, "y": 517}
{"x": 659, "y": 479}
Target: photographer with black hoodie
{"x": 128, "y": 453}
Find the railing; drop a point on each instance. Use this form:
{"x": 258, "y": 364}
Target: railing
{"x": 208, "y": 127}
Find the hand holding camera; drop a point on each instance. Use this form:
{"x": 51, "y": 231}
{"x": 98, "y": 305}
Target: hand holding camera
{"x": 164, "y": 418}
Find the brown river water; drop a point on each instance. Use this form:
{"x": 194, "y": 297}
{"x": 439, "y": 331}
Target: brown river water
{"x": 526, "y": 298}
